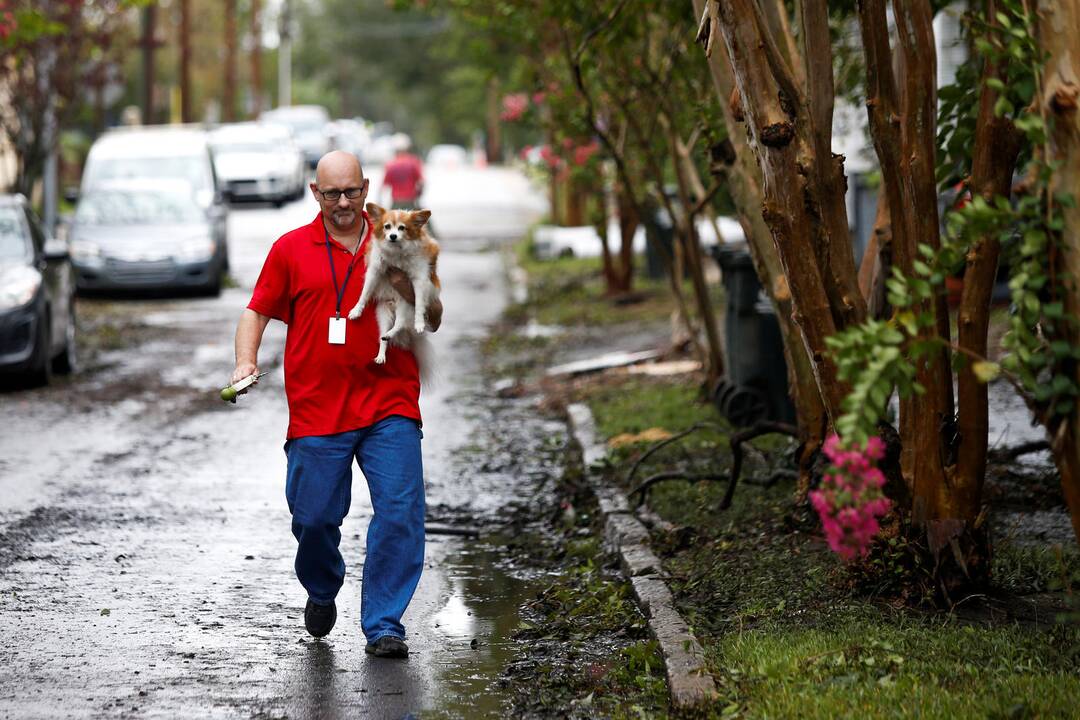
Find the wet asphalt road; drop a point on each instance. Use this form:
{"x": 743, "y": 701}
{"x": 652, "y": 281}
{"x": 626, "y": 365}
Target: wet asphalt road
{"x": 145, "y": 552}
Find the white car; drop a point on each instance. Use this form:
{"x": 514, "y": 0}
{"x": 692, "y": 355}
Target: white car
{"x": 448, "y": 156}
{"x": 309, "y": 128}
{"x": 159, "y": 153}
{"x": 351, "y": 136}
{"x": 258, "y": 161}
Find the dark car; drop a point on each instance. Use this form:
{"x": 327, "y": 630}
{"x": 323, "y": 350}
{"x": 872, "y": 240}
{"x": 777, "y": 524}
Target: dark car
{"x": 147, "y": 235}
{"x": 37, "y": 307}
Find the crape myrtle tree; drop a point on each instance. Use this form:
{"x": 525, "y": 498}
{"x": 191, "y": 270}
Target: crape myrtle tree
{"x": 50, "y": 50}
{"x": 1013, "y": 109}
{"x": 625, "y": 73}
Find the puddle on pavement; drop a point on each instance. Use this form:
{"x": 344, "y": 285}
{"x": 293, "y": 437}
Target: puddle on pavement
{"x": 483, "y": 596}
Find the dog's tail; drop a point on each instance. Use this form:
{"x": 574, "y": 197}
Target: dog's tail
{"x": 424, "y": 352}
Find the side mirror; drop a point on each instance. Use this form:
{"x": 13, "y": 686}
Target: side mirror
{"x": 71, "y": 194}
{"x": 56, "y": 249}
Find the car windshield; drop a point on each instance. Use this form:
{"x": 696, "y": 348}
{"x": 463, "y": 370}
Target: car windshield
{"x": 253, "y": 146}
{"x": 136, "y": 207}
{"x": 301, "y": 124}
{"x": 191, "y": 168}
{"x": 13, "y": 241}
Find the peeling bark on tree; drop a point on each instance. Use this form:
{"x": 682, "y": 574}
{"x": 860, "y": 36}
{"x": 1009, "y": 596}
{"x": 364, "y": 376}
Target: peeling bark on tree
{"x": 800, "y": 203}
{"x": 739, "y": 168}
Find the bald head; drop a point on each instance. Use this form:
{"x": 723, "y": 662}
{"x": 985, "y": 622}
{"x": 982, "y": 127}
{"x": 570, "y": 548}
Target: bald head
{"x": 338, "y": 165}
{"x": 338, "y": 173}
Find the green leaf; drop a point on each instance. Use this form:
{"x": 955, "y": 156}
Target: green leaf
{"x": 985, "y": 370}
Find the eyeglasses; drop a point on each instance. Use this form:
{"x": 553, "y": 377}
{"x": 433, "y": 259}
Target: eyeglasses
{"x": 335, "y": 194}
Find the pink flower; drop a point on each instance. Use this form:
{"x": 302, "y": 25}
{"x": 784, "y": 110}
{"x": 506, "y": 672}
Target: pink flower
{"x": 548, "y": 156}
{"x": 850, "y": 499}
{"x": 514, "y": 107}
{"x": 582, "y": 153}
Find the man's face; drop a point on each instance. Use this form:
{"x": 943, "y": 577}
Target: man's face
{"x": 342, "y": 211}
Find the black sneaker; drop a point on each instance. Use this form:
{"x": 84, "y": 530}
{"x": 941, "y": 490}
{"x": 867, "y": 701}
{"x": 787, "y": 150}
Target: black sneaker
{"x": 388, "y": 646}
{"x": 319, "y": 619}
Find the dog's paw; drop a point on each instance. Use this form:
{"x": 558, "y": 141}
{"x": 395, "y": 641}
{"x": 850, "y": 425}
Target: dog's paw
{"x": 380, "y": 359}
{"x": 420, "y": 328}
{"x": 356, "y": 312}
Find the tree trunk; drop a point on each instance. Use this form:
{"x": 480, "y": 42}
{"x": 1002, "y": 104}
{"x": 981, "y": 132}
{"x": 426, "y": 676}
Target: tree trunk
{"x": 906, "y": 151}
{"x": 797, "y": 205}
{"x": 1058, "y": 36}
{"x": 877, "y": 263}
{"x": 996, "y": 146}
{"x": 256, "y": 59}
{"x": 736, "y": 162}
{"x": 628, "y": 226}
{"x": 228, "y": 99}
{"x": 493, "y": 137}
{"x": 185, "y": 62}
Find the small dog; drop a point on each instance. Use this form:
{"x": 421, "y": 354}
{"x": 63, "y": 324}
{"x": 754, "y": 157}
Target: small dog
{"x": 399, "y": 239}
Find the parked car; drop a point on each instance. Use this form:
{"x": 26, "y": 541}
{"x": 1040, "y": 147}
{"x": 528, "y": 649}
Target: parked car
{"x": 146, "y": 235}
{"x": 258, "y": 161}
{"x": 308, "y": 125}
{"x": 350, "y": 135}
{"x": 448, "y": 156}
{"x": 159, "y": 152}
{"x": 37, "y": 306}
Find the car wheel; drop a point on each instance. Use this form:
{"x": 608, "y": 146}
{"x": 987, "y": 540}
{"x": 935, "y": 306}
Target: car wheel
{"x": 40, "y": 372}
{"x": 66, "y": 361}
{"x": 213, "y": 287}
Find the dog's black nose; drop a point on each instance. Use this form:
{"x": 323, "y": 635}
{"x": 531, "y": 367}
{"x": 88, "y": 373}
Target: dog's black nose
{"x": 393, "y": 236}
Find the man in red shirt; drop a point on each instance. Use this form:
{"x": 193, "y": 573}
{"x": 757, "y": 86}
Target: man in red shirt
{"x": 404, "y": 176}
{"x": 342, "y": 405}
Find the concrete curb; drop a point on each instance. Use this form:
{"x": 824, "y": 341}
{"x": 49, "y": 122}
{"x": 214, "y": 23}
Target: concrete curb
{"x": 689, "y": 682}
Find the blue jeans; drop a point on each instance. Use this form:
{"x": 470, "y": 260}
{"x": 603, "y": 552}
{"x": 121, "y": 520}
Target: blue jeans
{"x": 319, "y": 490}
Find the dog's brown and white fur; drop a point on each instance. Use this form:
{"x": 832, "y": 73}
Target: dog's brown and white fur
{"x": 399, "y": 239}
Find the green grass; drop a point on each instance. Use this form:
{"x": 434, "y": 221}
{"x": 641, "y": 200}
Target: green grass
{"x": 786, "y": 633}
{"x": 870, "y": 668}
{"x": 569, "y": 292}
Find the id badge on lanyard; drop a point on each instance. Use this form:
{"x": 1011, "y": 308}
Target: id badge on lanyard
{"x": 336, "y": 331}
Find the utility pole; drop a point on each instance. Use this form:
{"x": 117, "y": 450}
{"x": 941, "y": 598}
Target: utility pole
{"x": 185, "y": 61}
{"x": 285, "y": 55}
{"x": 256, "y": 59}
{"x": 149, "y": 43}
{"x": 229, "y": 100}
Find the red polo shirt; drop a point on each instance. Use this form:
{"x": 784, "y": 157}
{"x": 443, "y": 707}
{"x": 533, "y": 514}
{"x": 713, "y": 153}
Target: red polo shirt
{"x": 331, "y": 388}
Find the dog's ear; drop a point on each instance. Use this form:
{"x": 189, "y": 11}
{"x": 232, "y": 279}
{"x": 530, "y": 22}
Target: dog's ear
{"x": 420, "y": 217}
{"x": 375, "y": 212}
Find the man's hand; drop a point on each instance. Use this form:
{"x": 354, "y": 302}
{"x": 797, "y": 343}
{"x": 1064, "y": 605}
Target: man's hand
{"x": 242, "y": 371}
{"x": 401, "y": 283}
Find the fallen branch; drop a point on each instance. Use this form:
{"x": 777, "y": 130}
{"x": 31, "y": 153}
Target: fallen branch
{"x": 737, "y": 440}
{"x": 668, "y": 441}
{"x": 670, "y": 475}
{"x": 1001, "y": 455}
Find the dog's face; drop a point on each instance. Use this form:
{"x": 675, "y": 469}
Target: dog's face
{"x": 397, "y": 227}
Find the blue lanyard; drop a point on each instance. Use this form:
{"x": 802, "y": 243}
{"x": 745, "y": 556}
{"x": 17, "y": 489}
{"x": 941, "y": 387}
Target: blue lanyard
{"x": 340, "y": 291}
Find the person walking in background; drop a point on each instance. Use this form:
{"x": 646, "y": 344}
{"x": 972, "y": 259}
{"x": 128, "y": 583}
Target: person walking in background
{"x": 404, "y": 175}
{"x": 343, "y": 406}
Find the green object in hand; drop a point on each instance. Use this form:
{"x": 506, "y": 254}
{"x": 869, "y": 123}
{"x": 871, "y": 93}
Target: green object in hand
{"x": 229, "y": 394}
